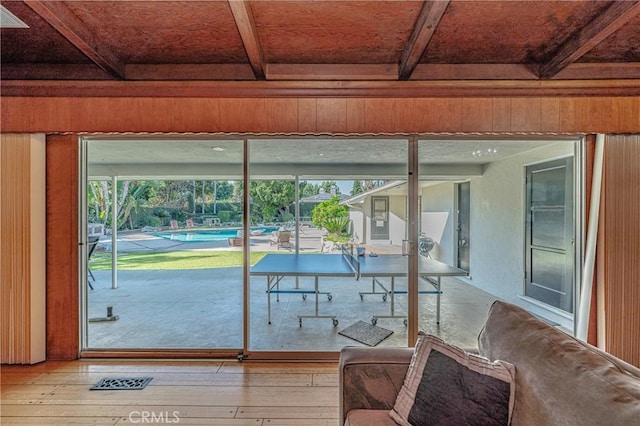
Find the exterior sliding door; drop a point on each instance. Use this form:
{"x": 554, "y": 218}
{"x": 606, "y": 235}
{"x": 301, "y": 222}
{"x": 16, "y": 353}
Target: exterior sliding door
{"x": 261, "y": 246}
{"x": 327, "y": 270}
{"x": 475, "y": 247}
{"x": 164, "y": 269}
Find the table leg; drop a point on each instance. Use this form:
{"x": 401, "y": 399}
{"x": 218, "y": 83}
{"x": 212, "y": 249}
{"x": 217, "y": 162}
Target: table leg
{"x": 269, "y": 279}
{"x": 317, "y": 306}
{"x": 438, "y": 301}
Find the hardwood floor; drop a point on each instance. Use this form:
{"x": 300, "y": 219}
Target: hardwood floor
{"x": 181, "y": 392}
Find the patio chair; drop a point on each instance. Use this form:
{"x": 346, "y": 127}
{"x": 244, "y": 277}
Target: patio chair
{"x": 174, "y": 224}
{"x": 92, "y": 243}
{"x": 281, "y": 239}
{"x": 189, "y": 223}
{"x": 238, "y": 240}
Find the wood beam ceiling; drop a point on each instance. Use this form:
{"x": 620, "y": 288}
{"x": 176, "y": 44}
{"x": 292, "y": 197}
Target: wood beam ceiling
{"x": 423, "y": 30}
{"x": 58, "y": 15}
{"x": 561, "y": 66}
{"x": 605, "y": 24}
{"x": 246, "y": 26}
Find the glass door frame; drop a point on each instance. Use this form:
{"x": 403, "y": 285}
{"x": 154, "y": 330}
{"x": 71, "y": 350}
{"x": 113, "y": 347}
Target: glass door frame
{"x": 413, "y": 230}
{"x": 412, "y": 233}
{"x": 83, "y": 306}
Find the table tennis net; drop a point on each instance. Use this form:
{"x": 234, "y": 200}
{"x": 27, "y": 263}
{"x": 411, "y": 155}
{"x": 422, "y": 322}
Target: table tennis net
{"x": 351, "y": 259}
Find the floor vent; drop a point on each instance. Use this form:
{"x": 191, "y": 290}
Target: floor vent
{"x": 122, "y": 383}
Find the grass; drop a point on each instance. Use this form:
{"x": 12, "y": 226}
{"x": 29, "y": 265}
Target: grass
{"x": 173, "y": 260}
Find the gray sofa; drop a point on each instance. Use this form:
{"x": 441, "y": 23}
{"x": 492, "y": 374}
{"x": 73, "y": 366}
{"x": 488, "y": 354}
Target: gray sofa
{"x": 559, "y": 380}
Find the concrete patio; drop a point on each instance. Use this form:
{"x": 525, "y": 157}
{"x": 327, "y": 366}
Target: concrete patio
{"x": 202, "y": 308}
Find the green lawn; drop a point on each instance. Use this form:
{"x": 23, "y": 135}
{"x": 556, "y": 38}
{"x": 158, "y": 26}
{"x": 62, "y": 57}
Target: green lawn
{"x": 172, "y": 260}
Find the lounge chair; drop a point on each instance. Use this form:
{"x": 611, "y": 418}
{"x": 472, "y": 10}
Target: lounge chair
{"x": 281, "y": 239}
{"x": 92, "y": 243}
{"x": 238, "y": 240}
{"x": 174, "y": 224}
{"x": 189, "y": 223}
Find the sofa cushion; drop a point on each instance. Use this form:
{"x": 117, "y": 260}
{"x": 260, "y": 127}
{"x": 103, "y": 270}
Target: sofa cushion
{"x": 361, "y": 417}
{"x": 559, "y": 380}
{"x": 446, "y": 385}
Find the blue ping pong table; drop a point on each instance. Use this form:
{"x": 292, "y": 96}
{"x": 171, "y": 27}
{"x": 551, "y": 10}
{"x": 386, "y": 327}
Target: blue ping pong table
{"x": 277, "y": 266}
{"x": 393, "y": 266}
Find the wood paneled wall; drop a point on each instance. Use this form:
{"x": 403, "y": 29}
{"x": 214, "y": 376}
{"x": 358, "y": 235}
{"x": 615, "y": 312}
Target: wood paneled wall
{"x": 62, "y": 247}
{"x": 622, "y": 247}
{"x": 335, "y": 115}
{"x": 22, "y": 244}
{"x": 322, "y": 115}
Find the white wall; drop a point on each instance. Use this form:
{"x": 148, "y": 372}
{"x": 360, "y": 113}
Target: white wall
{"x": 441, "y": 198}
{"x": 397, "y": 219}
{"x": 358, "y": 224}
{"x": 361, "y": 218}
{"x": 497, "y": 229}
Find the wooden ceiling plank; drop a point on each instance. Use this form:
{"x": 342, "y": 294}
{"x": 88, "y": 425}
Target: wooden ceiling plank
{"x": 63, "y": 20}
{"x": 246, "y": 26}
{"x": 605, "y": 24}
{"x": 328, "y": 72}
{"x": 426, "y": 24}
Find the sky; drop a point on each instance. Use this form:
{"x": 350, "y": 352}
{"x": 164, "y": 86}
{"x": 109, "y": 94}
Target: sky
{"x": 344, "y": 185}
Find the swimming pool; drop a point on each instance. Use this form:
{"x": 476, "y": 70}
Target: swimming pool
{"x": 198, "y": 236}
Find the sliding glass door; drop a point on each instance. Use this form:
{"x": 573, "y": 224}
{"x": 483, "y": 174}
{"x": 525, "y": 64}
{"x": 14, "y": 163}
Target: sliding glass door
{"x": 260, "y": 246}
{"x": 334, "y": 210}
{"x": 164, "y": 269}
{"x": 476, "y": 228}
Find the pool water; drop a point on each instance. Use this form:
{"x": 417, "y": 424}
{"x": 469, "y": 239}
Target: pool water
{"x": 196, "y": 236}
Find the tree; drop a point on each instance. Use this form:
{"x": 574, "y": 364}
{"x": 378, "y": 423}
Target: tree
{"x": 368, "y": 185}
{"x": 99, "y": 200}
{"x": 360, "y": 186}
{"x": 308, "y": 189}
{"x": 272, "y": 198}
{"x": 328, "y": 210}
{"x": 329, "y": 185}
{"x": 357, "y": 188}
{"x": 224, "y": 190}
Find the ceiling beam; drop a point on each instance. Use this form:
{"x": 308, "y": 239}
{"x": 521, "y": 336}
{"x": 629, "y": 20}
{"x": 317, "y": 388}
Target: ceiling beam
{"x": 320, "y": 89}
{"x": 318, "y": 72}
{"x": 53, "y": 72}
{"x": 159, "y": 72}
{"x": 590, "y": 71}
{"x": 605, "y": 24}
{"x": 246, "y": 26}
{"x": 277, "y": 171}
{"x": 426, "y": 24}
{"x": 63, "y": 20}
{"x": 473, "y": 72}
{"x": 330, "y": 72}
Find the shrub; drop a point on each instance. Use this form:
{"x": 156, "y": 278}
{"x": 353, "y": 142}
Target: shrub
{"x": 337, "y": 225}
{"x": 327, "y": 210}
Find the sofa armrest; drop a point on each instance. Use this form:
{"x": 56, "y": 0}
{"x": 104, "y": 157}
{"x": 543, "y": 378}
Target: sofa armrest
{"x": 371, "y": 378}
